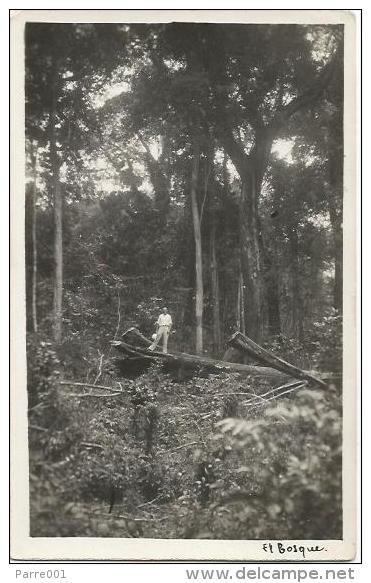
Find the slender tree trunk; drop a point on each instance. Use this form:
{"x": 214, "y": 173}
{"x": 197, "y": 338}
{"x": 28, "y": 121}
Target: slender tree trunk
{"x": 190, "y": 279}
{"x": 335, "y": 201}
{"x": 338, "y": 281}
{"x": 297, "y": 303}
{"x": 240, "y": 302}
{"x": 186, "y": 259}
{"x": 210, "y": 184}
{"x": 238, "y": 306}
{"x": 337, "y": 234}
{"x": 58, "y": 228}
{"x": 243, "y": 318}
{"x": 34, "y": 236}
{"x": 215, "y": 286}
{"x": 198, "y": 247}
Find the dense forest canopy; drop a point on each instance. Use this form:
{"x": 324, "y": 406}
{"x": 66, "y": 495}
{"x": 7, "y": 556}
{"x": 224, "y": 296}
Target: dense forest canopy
{"x": 186, "y": 164}
{"x": 198, "y": 167}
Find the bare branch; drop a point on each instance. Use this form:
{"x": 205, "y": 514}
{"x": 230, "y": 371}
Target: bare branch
{"x": 89, "y": 444}
{"x": 37, "y": 428}
{"x": 181, "y": 447}
{"x": 260, "y": 404}
{"x": 100, "y": 368}
{"x": 88, "y": 385}
{"x": 118, "y": 313}
{"x": 150, "y": 501}
{"x": 79, "y": 395}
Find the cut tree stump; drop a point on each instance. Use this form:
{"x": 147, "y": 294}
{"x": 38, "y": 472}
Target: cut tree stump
{"x": 247, "y": 346}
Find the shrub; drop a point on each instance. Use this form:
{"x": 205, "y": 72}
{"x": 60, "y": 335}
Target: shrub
{"x": 42, "y": 369}
{"x": 325, "y": 340}
{"x": 293, "y": 459}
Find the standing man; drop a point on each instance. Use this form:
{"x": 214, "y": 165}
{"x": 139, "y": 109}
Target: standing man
{"x": 164, "y": 324}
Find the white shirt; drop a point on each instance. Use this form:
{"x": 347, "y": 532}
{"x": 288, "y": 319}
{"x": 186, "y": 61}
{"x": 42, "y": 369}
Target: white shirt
{"x": 164, "y": 320}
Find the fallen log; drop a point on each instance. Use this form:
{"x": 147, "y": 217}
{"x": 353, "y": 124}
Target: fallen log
{"x": 137, "y": 358}
{"x": 247, "y": 346}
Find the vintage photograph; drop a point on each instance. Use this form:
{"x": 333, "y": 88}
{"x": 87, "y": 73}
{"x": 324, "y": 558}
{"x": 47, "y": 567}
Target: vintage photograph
{"x": 183, "y": 247}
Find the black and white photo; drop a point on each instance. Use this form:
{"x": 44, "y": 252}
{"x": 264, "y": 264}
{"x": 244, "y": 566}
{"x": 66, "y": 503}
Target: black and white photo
{"x": 186, "y": 236}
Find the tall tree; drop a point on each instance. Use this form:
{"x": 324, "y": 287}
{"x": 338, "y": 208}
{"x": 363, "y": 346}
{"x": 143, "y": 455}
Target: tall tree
{"x": 259, "y": 102}
{"x": 214, "y": 206}
{"x": 198, "y": 245}
{"x": 59, "y": 59}
{"x": 34, "y": 161}
{"x": 224, "y": 86}
{"x": 248, "y": 92}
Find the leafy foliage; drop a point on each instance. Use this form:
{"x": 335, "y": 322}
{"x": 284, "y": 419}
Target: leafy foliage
{"x": 297, "y": 473}
{"x": 165, "y": 457}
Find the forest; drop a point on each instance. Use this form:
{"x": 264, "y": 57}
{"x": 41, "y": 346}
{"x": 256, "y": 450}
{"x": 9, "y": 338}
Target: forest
{"x": 197, "y": 167}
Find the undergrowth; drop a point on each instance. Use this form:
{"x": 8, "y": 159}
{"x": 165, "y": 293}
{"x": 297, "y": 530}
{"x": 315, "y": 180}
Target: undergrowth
{"x": 180, "y": 460}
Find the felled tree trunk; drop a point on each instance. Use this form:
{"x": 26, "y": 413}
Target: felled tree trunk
{"x": 137, "y": 358}
{"x": 248, "y": 346}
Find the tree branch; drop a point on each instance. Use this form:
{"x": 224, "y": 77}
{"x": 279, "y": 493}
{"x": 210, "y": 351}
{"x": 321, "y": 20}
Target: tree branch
{"x": 100, "y": 369}
{"x": 234, "y": 149}
{"x": 79, "y": 395}
{"x": 308, "y": 97}
{"x": 159, "y": 179}
{"x": 89, "y": 385}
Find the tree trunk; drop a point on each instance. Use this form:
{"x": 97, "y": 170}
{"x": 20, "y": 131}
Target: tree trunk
{"x": 338, "y": 281}
{"x": 240, "y": 302}
{"x": 34, "y": 236}
{"x": 58, "y": 228}
{"x": 337, "y": 234}
{"x": 247, "y": 346}
{"x": 198, "y": 247}
{"x": 190, "y": 279}
{"x": 137, "y": 358}
{"x": 250, "y": 256}
{"x": 159, "y": 179}
{"x": 215, "y": 286}
{"x": 214, "y": 265}
{"x": 238, "y": 307}
{"x": 251, "y": 169}
{"x": 271, "y": 287}
{"x": 297, "y": 303}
